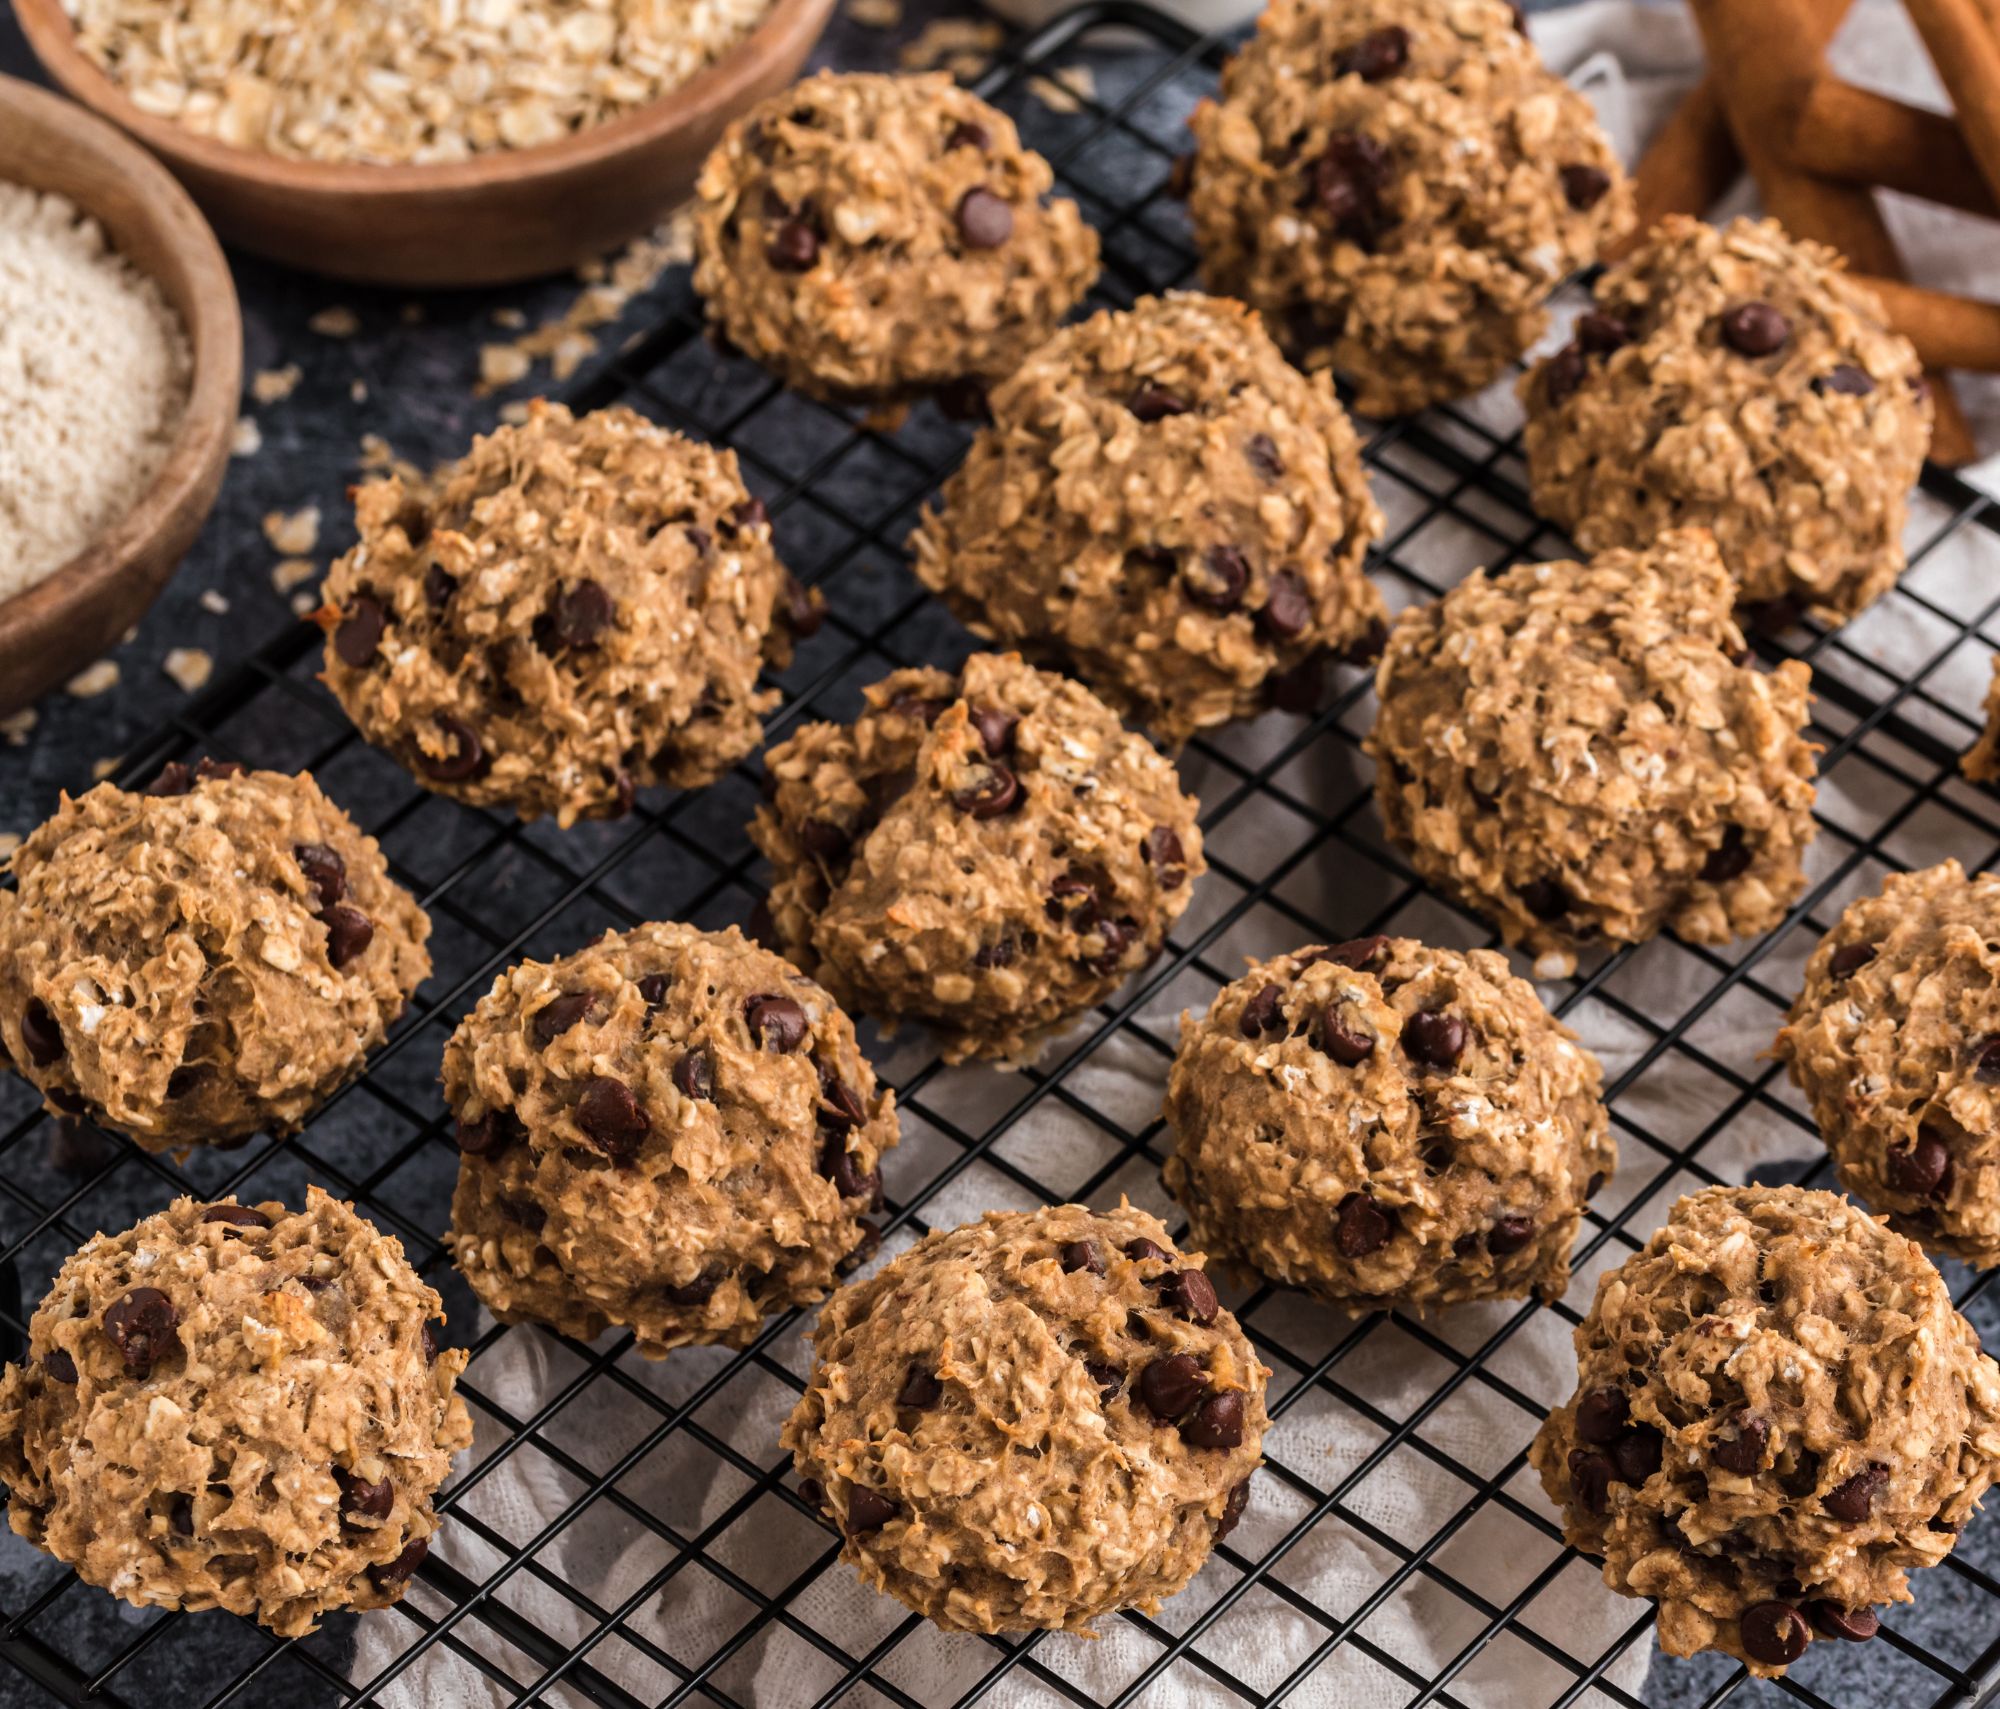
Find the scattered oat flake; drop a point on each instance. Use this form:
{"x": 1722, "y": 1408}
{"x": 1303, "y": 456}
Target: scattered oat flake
{"x": 511, "y": 318}
{"x": 294, "y": 534}
{"x": 515, "y": 413}
{"x": 274, "y": 385}
{"x": 358, "y": 391}
{"x": 288, "y": 573}
{"x": 249, "y": 438}
{"x": 876, "y": 14}
{"x": 212, "y": 601}
{"x": 101, "y": 769}
{"x": 1065, "y": 90}
{"x": 952, "y": 43}
{"x": 502, "y": 365}
{"x": 188, "y": 666}
{"x": 305, "y": 603}
{"x": 336, "y": 322}
{"x": 16, "y": 725}
{"x": 95, "y": 679}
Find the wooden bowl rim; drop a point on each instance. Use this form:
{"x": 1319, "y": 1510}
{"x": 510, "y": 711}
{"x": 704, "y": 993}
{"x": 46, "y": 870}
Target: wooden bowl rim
{"x": 215, "y": 343}
{"x": 712, "y": 89}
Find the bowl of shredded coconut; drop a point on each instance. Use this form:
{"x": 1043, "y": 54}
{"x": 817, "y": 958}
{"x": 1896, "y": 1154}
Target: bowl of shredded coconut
{"x": 426, "y": 142}
{"x": 120, "y": 359}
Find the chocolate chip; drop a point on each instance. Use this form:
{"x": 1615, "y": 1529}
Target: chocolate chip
{"x": 324, "y": 870}
{"x": 1360, "y": 1227}
{"x": 1356, "y": 953}
{"x": 843, "y": 1168}
{"x": 1600, "y": 334}
{"x": 1563, "y": 374}
{"x": 1584, "y": 186}
{"x": 1109, "y": 1379}
{"x": 236, "y": 1216}
{"x": 984, "y": 220}
{"x": 611, "y": 1118}
{"x": 1508, "y": 1235}
{"x": 687, "y": 1295}
{"x": 1590, "y": 1479}
{"x": 794, "y": 247}
{"x": 359, "y": 634}
{"x": 1831, "y": 1620}
{"x": 653, "y": 988}
{"x": 1854, "y": 1498}
{"x": 749, "y": 513}
{"x": 141, "y": 1327}
{"x": 1287, "y": 608}
{"x": 1152, "y": 402}
{"x": 556, "y": 1017}
{"x": 921, "y": 1390}
{"x": 824, "y": 840}
{"x": 1436, "y": 1041}
{"x": 1728, "y": 859}
{"x": 1216, "y": 579}
{"x": 362, "y": 1500}
{"x": 483, "y": 1136}
{"x": 844, "y": 1109}
{"x": 926, "y": 707}
{"x": 966, "y": 134}
{"x": 1000, "y": 953}
{"x": 1144, "y": 1251}
{"x": 582, "y": 613}
{"x": 1848, "y": 958}
{"x": 1169, "y": 1387}
{"x": 1166, "y": 855}
{"x": 1232, "y": 1509}
{"x": 867, "y": 1511}
{"x": 1637, "y": 1454}
{"x": 697, "y": 537}
{"x": 1379, "y": 54}
{"x": 996, "y": 792}
{"x": 59, "y": 1366}
{"x": 466, "y": 756}
{"x": 1986, "y": 1066}
{"x": 996, "y": 728}
{"x": 173, "y": 779}
{"x": 40, "y": 1035}
{"x": 1846, "y": 381}
{"x": 1601, "y": 1415}
{"x": 1545, "y": 898}
{"x": 1262, "y": 451}
{"x": 438, "y": 587}
{"x": 776, "y": 1023}
{"x": 964, "y": 399}
{"x": 1347, "y": 183}
{"x": 1217, "y": 1422}
{"x": 694, "y": 1076}
{"x": 1342, "y": 1043}
{"x": 804, "y": 609}
{"x": 1922, "y": 1169}
{"x": 1261, "y": 1014}
{"x": 1080, "y": 1255}
{"x": 1299, "y": 689}
{"x": 349, "y": 932}
{"x": 403, "y": 1567}
{"x": 1191, "y": 1294}
{"x": 1773, "y": 1633}
{"x": 1755, "y": 329}
{"x": 1744, "y": 1452}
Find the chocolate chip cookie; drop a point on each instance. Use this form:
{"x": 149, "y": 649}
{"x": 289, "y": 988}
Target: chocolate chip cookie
{"x": 235, "y": 1406}
{"x": 1583, "y": 751}
{"x": 1165, "y": 503}
{"x": 1031, "y": 1421}
{"x": 1777, "y": 1414}
{"x": 1742, "y": 382}
{"x": 576, "y": 610}
{"x": 1398, "y": 186}
{"x": 1895, "y": 1041}
{"x": 201, "y": 959}
{"x": 1382, "y": 1123}
{"x": 990, "y": 853}
{"x": 866, "y": 236}
{"x": 672, "y": 1131}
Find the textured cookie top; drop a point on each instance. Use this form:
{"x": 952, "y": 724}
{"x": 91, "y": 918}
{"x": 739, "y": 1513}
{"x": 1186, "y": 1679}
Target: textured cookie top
{"x": 1777, "y": 1413}
{"x": 1895, "y": 1038}
{"x": 1576, "y": 751}
{"x": 232, "y": 1406}
{"x": 1742, "y": 381}
{"x": 991, "y": 853}
{"x": 204, "y": 958}
{"x": 1398, "y": 185}
{"x": 1386, "y": 1123}
{"x": 867, "y": 235}
{"x": 1032, "y": 1420}
{"x": 1164, "y": 500}
{"x": 673, "y": 1130}
{"x": 575, "y": 610}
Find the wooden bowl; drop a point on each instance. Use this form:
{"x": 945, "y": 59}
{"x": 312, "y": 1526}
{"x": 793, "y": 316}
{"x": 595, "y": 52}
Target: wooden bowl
{"x": 52, "y": 629}
{"x": 499, "y": 217}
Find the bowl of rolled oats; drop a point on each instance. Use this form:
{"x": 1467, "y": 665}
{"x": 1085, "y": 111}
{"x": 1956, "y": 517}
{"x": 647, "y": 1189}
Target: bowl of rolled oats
{"x": 426, "y": 142}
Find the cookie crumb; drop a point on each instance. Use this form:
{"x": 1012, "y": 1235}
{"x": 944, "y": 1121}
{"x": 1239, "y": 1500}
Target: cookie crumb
{"x": 248, "y": 438}
{"x": 335, "y": 322}
{"x": 295, "y": 533}
{"x": 876, "y": 14}
{"x": 15, "y": 726}
{"x": 94, "y": 679}
{"x": 101, "y": 769}
{"x": 191, "y": 667}
{"x": 274, "y": 385}
{"x": 288, "y": 573}
{"x": 1065, "y": 90}
{"x": 214, "y": 603}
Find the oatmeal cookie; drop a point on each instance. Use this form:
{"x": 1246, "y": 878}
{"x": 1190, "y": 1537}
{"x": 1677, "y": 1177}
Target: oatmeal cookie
{"x": 672, "y": 1130}
{"x": 235, "y": 1406}
{"x": 1777, "y": 1414}
{"x": 1982, "y": 760}
{"x": 1166, "y": 503}
{"x": 1576, "y": 751}
{"x": 576, "y": 610}
{"x": 865, "y": 236}
{"x": 1398, "y": 186}
{"x": 1382, "y": 1123}
{"x": 1031, "y": 1421}
{"x": 208, "y": 957}
{"x": 1895, "y": 1040}
{"x": 1742, "y": 382}
{"x": 991, "y": 853}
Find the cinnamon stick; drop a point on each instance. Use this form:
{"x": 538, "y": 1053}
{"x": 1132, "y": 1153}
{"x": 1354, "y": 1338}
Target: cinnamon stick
{"x": 1964, "y": 39}
{"x": 1688, "y": 166}
{"x": 1949, "y": 331}
{"x": 1861, "y": 137}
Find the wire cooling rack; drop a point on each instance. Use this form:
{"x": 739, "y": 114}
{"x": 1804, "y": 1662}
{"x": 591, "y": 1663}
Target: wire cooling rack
{"x": 628, "y": 1534}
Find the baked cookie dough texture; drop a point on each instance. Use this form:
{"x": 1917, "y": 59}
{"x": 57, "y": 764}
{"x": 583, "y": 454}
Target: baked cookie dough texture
{"x": 990, "y": 853}
{"x": 1739, "y": 381}
{"x": 1575, "y": 751}
{"x": 1982, "y": 759}
{"x": 235, "y": 1406}
{"x": 202, "y": 959}
{"x": 576, "y": 610}
{"x": 1895, "y": 1040}
{"x": 868, "y": 236}
{"x": 672, "y": 1131}
{"x": 1398, "y": 186}
{"x": 1382, "y": 1123}
{"x": 1031, "y": 1421}
{"x": 1165, "y": 503}
{"x": 1777, "y": 1415}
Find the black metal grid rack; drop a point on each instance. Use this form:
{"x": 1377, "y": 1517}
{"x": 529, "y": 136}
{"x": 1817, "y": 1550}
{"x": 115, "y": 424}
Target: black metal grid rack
{"x": 666, "y": 1557}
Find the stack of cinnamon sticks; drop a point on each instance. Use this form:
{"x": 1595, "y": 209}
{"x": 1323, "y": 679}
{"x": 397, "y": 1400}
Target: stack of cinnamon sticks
{"x": 1818, "y": 147}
